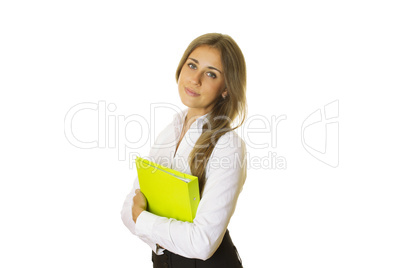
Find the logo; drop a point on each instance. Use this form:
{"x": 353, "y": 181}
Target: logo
{"x": 320, "y": 134}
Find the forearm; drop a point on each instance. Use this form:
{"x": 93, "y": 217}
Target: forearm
{"x": 126, "y": 212}
{"x": 183, "y": 238}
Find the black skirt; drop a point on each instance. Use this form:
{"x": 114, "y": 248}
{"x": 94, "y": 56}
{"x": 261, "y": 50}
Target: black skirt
{"x": 225, "y": 256}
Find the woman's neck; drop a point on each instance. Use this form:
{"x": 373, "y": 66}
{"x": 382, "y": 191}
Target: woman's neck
{"x": 193, "y": 114}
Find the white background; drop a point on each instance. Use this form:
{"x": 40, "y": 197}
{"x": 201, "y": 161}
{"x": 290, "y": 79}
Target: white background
{"x": 60, "y": 205}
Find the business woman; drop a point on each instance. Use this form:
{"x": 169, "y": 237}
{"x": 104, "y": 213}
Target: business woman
{"x": 211, "y": 79}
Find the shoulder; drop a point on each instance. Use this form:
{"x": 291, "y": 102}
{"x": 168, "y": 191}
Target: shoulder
{"x": 168, "y": 133}
{"x": 228, "y": 160}
{"x": 230, "y": 143}
{"x": 231, "y": 139}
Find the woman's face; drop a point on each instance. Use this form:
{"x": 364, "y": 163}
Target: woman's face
{"x": 201, "y": 81}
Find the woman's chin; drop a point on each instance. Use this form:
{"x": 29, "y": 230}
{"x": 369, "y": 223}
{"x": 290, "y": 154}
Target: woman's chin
{"x": 188, "y": 102}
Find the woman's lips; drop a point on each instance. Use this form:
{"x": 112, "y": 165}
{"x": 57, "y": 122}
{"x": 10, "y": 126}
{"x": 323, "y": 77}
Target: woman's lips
{"x": 191, "y": 93}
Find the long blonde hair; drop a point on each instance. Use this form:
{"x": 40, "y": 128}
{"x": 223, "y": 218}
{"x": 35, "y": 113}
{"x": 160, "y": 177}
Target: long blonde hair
{"x": 227, "y": 109}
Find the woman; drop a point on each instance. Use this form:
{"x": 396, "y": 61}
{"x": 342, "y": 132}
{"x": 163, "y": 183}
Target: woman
{"x": 211, "y": 78}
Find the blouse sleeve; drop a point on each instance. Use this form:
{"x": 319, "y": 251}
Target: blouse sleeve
{"x": 226, "y": 174}
{"x": 126, "y": 214}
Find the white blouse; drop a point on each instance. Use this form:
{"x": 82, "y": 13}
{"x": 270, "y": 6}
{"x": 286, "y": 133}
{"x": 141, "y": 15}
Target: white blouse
{"x": 225, "y": 175}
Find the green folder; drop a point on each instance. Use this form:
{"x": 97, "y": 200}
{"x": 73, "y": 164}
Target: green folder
{"x": 169, "y": 193}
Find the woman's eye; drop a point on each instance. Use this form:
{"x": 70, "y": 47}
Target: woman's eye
{"x": 192, "y": 66}
{"x": 212, "y": 75}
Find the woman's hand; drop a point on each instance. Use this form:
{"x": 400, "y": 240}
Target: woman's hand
{"x": 140, "y": 204}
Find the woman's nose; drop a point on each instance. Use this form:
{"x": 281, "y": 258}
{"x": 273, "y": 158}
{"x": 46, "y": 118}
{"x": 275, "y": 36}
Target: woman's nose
{"x": 196, "y": 78}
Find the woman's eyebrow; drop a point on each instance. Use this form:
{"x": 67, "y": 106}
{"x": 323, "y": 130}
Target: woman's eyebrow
{"x": 210, "y": 67}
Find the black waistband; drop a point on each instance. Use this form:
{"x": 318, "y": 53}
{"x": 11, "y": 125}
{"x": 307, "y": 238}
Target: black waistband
{"x": 225, "y": 256}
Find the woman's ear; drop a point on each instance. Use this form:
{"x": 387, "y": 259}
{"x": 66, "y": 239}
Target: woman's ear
{"x": 224, "y": 93}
